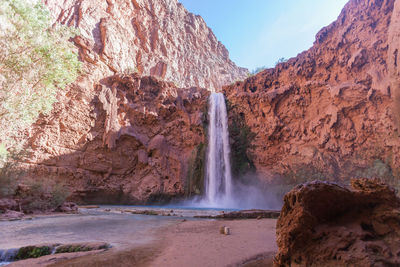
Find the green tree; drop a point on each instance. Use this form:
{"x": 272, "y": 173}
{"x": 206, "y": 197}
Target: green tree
{"x": 281, "y": 60}
{"x": 36, "y": 59}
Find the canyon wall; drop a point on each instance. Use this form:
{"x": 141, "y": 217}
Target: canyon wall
{"x": 126, "y": 131}
{"x": 329, "y": 113}
{"x": 153, "y": 38}
{"x": 134, "y": 145}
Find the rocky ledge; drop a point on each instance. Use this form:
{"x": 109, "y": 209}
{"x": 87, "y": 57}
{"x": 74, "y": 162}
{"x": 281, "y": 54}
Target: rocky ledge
{"x": 323, "y": 224}
{"x": 245, "y": 214}
{"x": 15, "y": 209}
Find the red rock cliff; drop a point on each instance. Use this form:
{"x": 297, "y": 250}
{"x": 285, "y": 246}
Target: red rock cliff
{"x": 158, "y": 38}
{"x": 329, "y": 113}
{"x": 125, "y": 131}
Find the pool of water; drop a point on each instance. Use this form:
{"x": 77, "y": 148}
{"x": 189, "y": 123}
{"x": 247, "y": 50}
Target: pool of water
{"x": 115, "y": 225}
{"x": 186, "y": 212}
{"x": 119, "y": 230}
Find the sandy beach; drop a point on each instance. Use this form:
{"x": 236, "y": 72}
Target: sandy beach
{"x": 199, "y": 243}
{"x": 164, "y": 242}
{"x": 196, "y": 243}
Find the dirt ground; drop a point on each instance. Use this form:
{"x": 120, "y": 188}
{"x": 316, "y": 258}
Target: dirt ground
{"x": 196, "y": 243}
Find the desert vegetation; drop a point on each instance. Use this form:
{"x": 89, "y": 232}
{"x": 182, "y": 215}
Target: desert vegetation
{"x": 36, "y": 60}
{"x": 241, "y": 138}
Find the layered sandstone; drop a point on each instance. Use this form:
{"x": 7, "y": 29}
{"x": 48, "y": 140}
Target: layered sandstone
{"x": 323, "y": 224}
{"x": 329, "y": 112}
{"x": 126, "y": 131}
{"x": 158, "y": 38}
{"x": 134, "y": 146}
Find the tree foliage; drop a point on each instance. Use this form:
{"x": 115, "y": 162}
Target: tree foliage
{"x": 36, "y": 59}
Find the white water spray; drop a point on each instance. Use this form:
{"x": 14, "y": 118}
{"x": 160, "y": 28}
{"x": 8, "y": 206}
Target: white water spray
{"x": 218, "y": 180}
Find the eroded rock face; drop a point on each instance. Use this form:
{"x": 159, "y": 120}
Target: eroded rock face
{"x": 116, "y": 138}
{"x": 134, "y": 145}
{"x": 330, "y": 111}
{"x": 323, "y": 224}
{"x": 151, "y": 37}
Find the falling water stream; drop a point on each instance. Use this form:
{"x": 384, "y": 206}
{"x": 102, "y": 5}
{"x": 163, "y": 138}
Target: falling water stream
{"x": 218, "y": 180}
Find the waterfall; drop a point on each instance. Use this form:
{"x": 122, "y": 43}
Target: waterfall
{"x": 218, "y": 180}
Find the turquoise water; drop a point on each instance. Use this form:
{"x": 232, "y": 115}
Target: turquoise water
{"x": 117, "y": 229}
{"x": 175, "y": 207}
{"x": 112, "y": 224}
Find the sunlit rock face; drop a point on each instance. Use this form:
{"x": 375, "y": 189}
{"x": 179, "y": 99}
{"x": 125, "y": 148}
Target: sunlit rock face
{"x": 127, "y": 129}
{"x": 330, "y": 113}
{"x": 152, "y": 37}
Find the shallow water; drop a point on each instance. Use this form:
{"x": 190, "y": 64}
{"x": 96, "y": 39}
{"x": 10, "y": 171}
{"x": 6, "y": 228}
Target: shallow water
{"x": 112, "y": 224}
{"x": 186, "y": 211}
{"x": 120, "y": 230}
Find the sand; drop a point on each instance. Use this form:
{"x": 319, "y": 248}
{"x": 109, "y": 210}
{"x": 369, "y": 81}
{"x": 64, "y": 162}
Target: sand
{"x": 172, "y": 243}
{"x": 197, "y": 243}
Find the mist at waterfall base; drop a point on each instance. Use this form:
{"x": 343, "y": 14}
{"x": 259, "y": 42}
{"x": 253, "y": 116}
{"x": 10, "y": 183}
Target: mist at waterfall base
{"x": 221, "y": 191}
{"x": 252, "y": 195}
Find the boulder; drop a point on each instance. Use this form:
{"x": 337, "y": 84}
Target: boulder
{"x": 324, "y": 224}
{"x": 8, "y": 204}
{"x": 69, "y": 207}
{"x": 10, "y": 215}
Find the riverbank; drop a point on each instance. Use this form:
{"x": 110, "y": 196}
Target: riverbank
{"x": 196, "y": 243}
{"x": 143, "y": 240}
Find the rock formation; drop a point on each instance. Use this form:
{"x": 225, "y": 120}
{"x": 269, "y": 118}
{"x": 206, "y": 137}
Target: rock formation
{"x": 125, "y": 132}
{"x": 153, "y": 38}
{"x": 329, "y": 113}
{"x": 134, "y": 146}
{"x": 323, "y": 224}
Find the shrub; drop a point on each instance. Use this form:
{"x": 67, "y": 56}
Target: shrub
{"x": 256, "y": 71}
{"x": 9, "y": 176}
{"x": 43, "y": 195}
{"x": 241, "y": 143}
{"x": 36, "y": 59}
{"x": 280, "y": 60}
{"x": 8, "y": 180}
{"x": 32, "y": 252}
{"x": 195, "y": 177}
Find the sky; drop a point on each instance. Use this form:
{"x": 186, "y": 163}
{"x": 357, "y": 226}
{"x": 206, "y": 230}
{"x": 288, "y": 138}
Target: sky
{"x": 259, "y": 32}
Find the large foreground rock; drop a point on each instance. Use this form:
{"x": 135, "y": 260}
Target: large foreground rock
{"x": 323, "y": 224}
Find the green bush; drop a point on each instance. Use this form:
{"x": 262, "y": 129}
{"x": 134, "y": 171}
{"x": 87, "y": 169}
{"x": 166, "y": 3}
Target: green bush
{"x": 241, "y": 143}
{"x": 32, "y": 252}
{"x": 9, "y": 176}
{"x": 195, "y": 177}
{"x": 281, "y": 60}
{"x": 8, "y": 180}
{"x": 36, "y": 58}
{"x": 256, "y": 71}
{"x": 43, "y": 195}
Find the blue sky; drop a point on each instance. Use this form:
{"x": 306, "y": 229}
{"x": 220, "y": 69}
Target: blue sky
{"x": 259, "y": 32}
